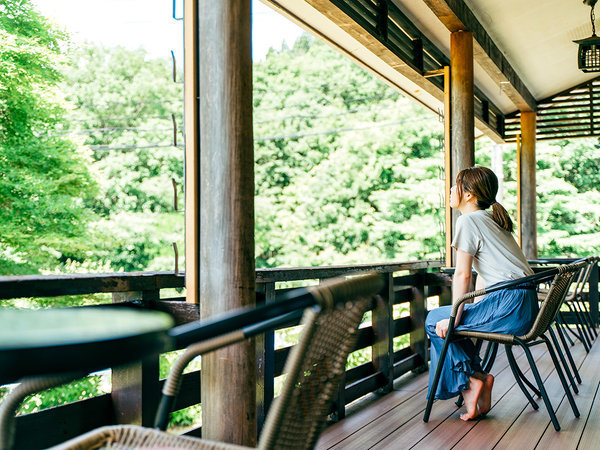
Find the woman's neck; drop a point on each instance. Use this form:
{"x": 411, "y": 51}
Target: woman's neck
{"x": 468, "y": 208}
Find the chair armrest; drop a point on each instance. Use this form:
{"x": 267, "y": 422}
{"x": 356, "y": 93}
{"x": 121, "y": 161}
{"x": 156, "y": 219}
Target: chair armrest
{"x": 464, "y": 298}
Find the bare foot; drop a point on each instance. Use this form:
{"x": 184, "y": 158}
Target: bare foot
{"x": 485, "y": 399}
{"x": 471, "y": 396}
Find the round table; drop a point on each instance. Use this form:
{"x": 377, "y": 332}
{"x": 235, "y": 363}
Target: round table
{"x": 62, "y": 340}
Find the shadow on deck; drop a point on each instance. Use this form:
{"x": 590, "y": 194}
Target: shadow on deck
{"x": 395, "y": 420}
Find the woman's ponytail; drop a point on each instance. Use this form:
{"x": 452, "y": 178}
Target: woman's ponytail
{"x": 501, "y": 217}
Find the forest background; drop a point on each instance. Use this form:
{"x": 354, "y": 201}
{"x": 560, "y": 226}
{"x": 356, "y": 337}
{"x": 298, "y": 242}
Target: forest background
{"x": 347, "y": 169}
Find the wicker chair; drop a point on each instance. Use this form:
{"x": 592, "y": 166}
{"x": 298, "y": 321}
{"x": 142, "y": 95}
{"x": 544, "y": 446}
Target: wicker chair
{"x": 314, "y": 370}
{"x": 562, "y": 278}
{"x": 586, "y": 330}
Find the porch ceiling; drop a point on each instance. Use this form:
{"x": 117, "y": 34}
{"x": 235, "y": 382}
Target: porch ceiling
{"x": 533, "y": 54}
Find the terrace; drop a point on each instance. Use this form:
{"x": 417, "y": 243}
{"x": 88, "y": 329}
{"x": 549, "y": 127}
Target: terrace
{"x": 446, "y": 54}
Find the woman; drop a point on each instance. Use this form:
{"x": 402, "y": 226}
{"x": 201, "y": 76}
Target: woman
{"x": 483, "y": 240}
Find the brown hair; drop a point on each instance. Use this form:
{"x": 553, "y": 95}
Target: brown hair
{"x": 482, "y": 183}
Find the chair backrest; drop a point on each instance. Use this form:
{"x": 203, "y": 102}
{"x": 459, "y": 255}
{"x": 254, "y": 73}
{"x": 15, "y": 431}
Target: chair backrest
{"x": 553, "y": 301}
{"x": 584, "y": 275}
{"x": 315, "y": 369}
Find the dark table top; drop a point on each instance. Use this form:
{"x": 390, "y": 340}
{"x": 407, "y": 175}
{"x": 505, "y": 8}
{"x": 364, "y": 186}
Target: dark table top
{"x": 61, "y": 340}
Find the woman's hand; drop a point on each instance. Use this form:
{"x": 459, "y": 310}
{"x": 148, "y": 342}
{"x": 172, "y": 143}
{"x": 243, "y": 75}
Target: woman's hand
{"x": 441, "y": 328}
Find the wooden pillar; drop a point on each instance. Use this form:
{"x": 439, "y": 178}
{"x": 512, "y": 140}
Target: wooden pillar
{"x": 498, "y": 169}
{"x": 227, "y": 213}
{"x": 527, "y": 225}
{"x": 462, "y": 118}
{"x": 192, "y": 152}
{"x": 461, "y": 100}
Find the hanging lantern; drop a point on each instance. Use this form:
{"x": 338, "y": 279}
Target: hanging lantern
{"x": 588, "y": 55}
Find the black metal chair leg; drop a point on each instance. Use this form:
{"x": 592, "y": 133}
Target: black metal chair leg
{"x": 563, "y": 361}
{"x": 585, "y": 313}
{"x": 561, "y": 336}
{"x": 561, "y": 375}
{"x": 516, "y": 372}
{"x": 540, "y": 383}
{"x": 490, "y": 357}
{"x": 436, "y": 378}
{"x": 582, "y": 322}
{"x": 585, "y": 317}
{"x": 580, "y": 334}
{"x": 560, "y": 321}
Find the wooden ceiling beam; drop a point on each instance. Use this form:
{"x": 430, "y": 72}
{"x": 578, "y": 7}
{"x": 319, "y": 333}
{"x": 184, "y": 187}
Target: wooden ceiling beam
{"x": 457, "y": 16}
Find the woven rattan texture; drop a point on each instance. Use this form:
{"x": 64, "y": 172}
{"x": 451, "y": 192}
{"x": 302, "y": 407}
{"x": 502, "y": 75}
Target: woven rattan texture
{"x": 316, "y": 368}
{"x": 126, "y": 437}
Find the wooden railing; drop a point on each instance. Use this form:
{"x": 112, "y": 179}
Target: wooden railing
{"x": 136, "y": 387}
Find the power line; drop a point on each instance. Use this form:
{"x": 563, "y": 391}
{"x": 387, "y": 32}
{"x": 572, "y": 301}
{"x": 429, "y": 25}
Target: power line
{"x": 324, "y": 116}
{"x": 131, "y": 147}
{"x": 338, "y": 130}
{"x": 327, "y": 101}
{"x": 275, "y": 138}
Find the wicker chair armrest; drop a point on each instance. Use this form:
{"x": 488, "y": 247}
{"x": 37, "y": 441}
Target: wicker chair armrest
{"x": 464, "y": 298}
{"x": 495, "y": 337}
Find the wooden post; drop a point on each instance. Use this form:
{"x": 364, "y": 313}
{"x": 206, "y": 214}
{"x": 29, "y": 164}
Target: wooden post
{"x": 418, "y": 308}
{"x": 192, "y": 152}
{"x": 383, "y": 325}
{"x": 462, "y": 102}
{"x": 135, "y": 387}
{"x": 265, "y": 363}
{"x": 527, "y": 226}
{"x": 227, "y": 213}
{"x": 449, "y": 178}
{"x": 498, "y": 168}
{"x": 462, "y": 110}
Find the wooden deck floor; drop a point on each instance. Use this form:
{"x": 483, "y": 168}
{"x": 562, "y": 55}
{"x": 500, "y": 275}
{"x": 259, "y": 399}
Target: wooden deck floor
{"x": 395, "y": 420}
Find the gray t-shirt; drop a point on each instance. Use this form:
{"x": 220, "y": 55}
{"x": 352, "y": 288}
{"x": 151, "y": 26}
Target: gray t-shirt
{"x": 496, "y": 255}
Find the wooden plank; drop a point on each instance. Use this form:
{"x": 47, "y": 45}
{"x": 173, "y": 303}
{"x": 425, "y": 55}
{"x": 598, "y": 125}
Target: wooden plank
{"x": 75, "y": 284}
{"x": 189, "y": 392}
{"x": 182, "y": 312}
{"x": 314, "y": 273}
{"x": 355, "y": 422}
{"x": 55, "y": 425}
{"x": 591, "y": 435}
{"x": 587, "y": 400}
{"x": 444, "y": 425}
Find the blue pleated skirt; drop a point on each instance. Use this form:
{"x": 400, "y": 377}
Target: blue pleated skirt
{"x": 507, "y": 311}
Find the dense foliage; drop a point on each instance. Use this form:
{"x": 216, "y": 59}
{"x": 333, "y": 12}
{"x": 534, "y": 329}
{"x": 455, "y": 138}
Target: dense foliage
{"x": 44, "y": 179}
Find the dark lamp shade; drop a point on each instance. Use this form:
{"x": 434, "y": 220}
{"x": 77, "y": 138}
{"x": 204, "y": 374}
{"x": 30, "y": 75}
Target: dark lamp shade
{"x": 588, "y": 55}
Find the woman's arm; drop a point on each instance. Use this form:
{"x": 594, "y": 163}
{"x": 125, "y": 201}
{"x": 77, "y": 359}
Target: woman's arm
{"x": 461, "y": 282}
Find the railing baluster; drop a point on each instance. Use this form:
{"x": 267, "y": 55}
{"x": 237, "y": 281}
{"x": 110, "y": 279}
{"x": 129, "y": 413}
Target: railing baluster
{"x": 383, "y": 327}
{"x": 418, "y": 307}
{"x": 265, "y": 363}
{"x": 135, "y": 386}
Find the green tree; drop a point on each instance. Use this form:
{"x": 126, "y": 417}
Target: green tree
{"x": 44, "y": 181}
{"x": 347, "y": 168}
